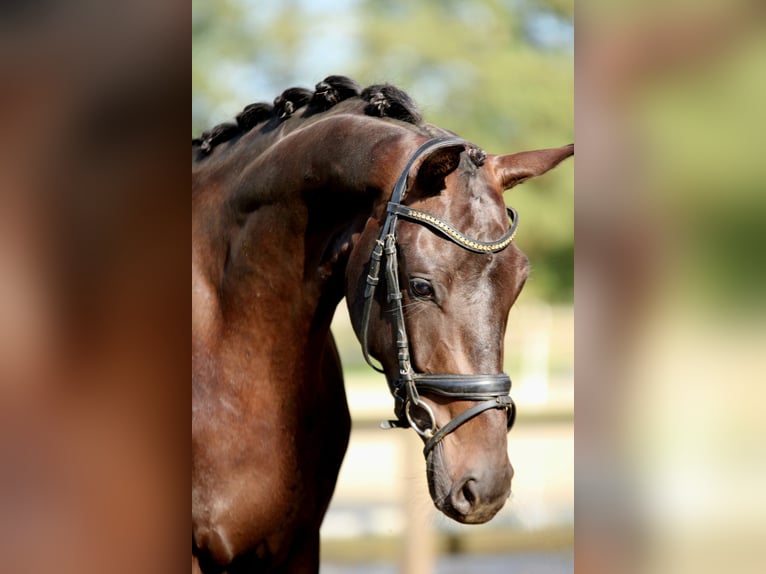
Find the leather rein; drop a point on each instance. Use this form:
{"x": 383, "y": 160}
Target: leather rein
{"x": 490, "y": 391}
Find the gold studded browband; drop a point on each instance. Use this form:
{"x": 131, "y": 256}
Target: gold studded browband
{"x": 453, "y": 234}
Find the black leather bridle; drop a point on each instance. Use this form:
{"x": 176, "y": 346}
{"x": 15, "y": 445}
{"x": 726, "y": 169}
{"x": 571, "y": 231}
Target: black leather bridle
{"x": 492, "y": 390}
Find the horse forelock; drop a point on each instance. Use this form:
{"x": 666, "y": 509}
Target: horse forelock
{"x": 298, "y": 105}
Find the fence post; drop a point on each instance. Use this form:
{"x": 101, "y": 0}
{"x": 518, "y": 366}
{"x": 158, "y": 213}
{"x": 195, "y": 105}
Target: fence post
{"x": 419, "y": 543}
{"x": 536, "y": 357}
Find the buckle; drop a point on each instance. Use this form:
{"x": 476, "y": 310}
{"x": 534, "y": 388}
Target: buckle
{"x": 425, "y": 433}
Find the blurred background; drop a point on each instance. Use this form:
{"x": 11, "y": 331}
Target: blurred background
{"x": 500, "y": 74}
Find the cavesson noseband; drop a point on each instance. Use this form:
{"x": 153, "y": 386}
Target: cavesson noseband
{"x": 491, "y": 390}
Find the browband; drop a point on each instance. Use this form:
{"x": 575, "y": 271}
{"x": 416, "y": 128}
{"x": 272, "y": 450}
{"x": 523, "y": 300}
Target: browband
{"x": 453, "y": 234}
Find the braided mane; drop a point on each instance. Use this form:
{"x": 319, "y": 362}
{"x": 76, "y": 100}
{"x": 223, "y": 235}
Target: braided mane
{"x": 380, "y": 100}
{"x": 383, "y": 100}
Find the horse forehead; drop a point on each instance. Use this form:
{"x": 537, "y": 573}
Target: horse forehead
{"x": 426, "y": 251}
{"x": 471, "y": 202}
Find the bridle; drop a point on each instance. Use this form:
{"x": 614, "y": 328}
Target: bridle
{"x": 491, "y": 391}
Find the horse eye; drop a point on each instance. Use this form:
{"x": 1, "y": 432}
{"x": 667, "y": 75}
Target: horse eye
{"x": 421, "y": 288}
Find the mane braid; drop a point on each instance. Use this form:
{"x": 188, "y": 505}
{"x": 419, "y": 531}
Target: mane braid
{"x": 254, "y": 114}
{"x": 477, "y": 155}
{"x": 385, "y": 100}
{"x": 290, "y": 100}
{"x": 220, "y": 133}
{"x": 330, "y": 91}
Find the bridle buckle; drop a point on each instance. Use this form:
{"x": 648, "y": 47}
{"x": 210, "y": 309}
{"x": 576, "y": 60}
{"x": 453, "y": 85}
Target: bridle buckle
{"x": 425, "y": 433}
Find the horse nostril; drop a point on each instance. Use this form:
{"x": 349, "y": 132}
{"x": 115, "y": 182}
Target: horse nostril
{"x": 464, "y": 496}
{"x": 469, "y": 493}
{"x": 474, "y": 499}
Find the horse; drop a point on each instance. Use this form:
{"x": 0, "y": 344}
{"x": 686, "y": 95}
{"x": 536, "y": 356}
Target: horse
{"x": 344, "y": 192}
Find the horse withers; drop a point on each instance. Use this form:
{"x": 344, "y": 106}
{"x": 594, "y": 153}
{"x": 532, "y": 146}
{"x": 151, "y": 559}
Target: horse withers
{"x": 343, "y": 192}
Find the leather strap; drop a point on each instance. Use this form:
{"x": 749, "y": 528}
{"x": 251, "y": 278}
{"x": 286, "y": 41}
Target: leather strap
{"x": 400, "y": 188}
{"x": 470, "y": 387}
{"x": 496, "y": 403}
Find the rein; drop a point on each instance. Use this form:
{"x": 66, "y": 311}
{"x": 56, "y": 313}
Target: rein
{"x": 492, "y": 390}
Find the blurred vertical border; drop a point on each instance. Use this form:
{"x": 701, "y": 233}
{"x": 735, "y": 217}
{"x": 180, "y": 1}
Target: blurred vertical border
{"x": 669, "y": 287}
{"x": 94, "y": 327}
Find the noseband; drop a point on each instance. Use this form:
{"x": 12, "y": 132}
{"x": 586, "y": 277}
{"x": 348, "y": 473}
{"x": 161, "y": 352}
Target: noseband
{"x": 490, "y": 391}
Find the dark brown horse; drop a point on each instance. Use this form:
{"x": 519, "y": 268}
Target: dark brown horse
{"x": 343, "y": 192}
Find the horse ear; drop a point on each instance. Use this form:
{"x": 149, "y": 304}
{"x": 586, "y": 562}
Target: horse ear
{"x": 512, "y": 169}
{"x": 437, "y": 166}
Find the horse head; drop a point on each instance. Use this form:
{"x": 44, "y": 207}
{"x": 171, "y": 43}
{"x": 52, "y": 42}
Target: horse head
{"x": 441, "y": 248}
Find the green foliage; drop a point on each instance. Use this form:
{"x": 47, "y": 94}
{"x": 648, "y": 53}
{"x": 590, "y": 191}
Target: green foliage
{"x": 703, "y": 133}
{"x": 473, "y": 67}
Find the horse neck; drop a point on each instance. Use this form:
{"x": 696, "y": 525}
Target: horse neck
{"x": 290, "y": 218}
